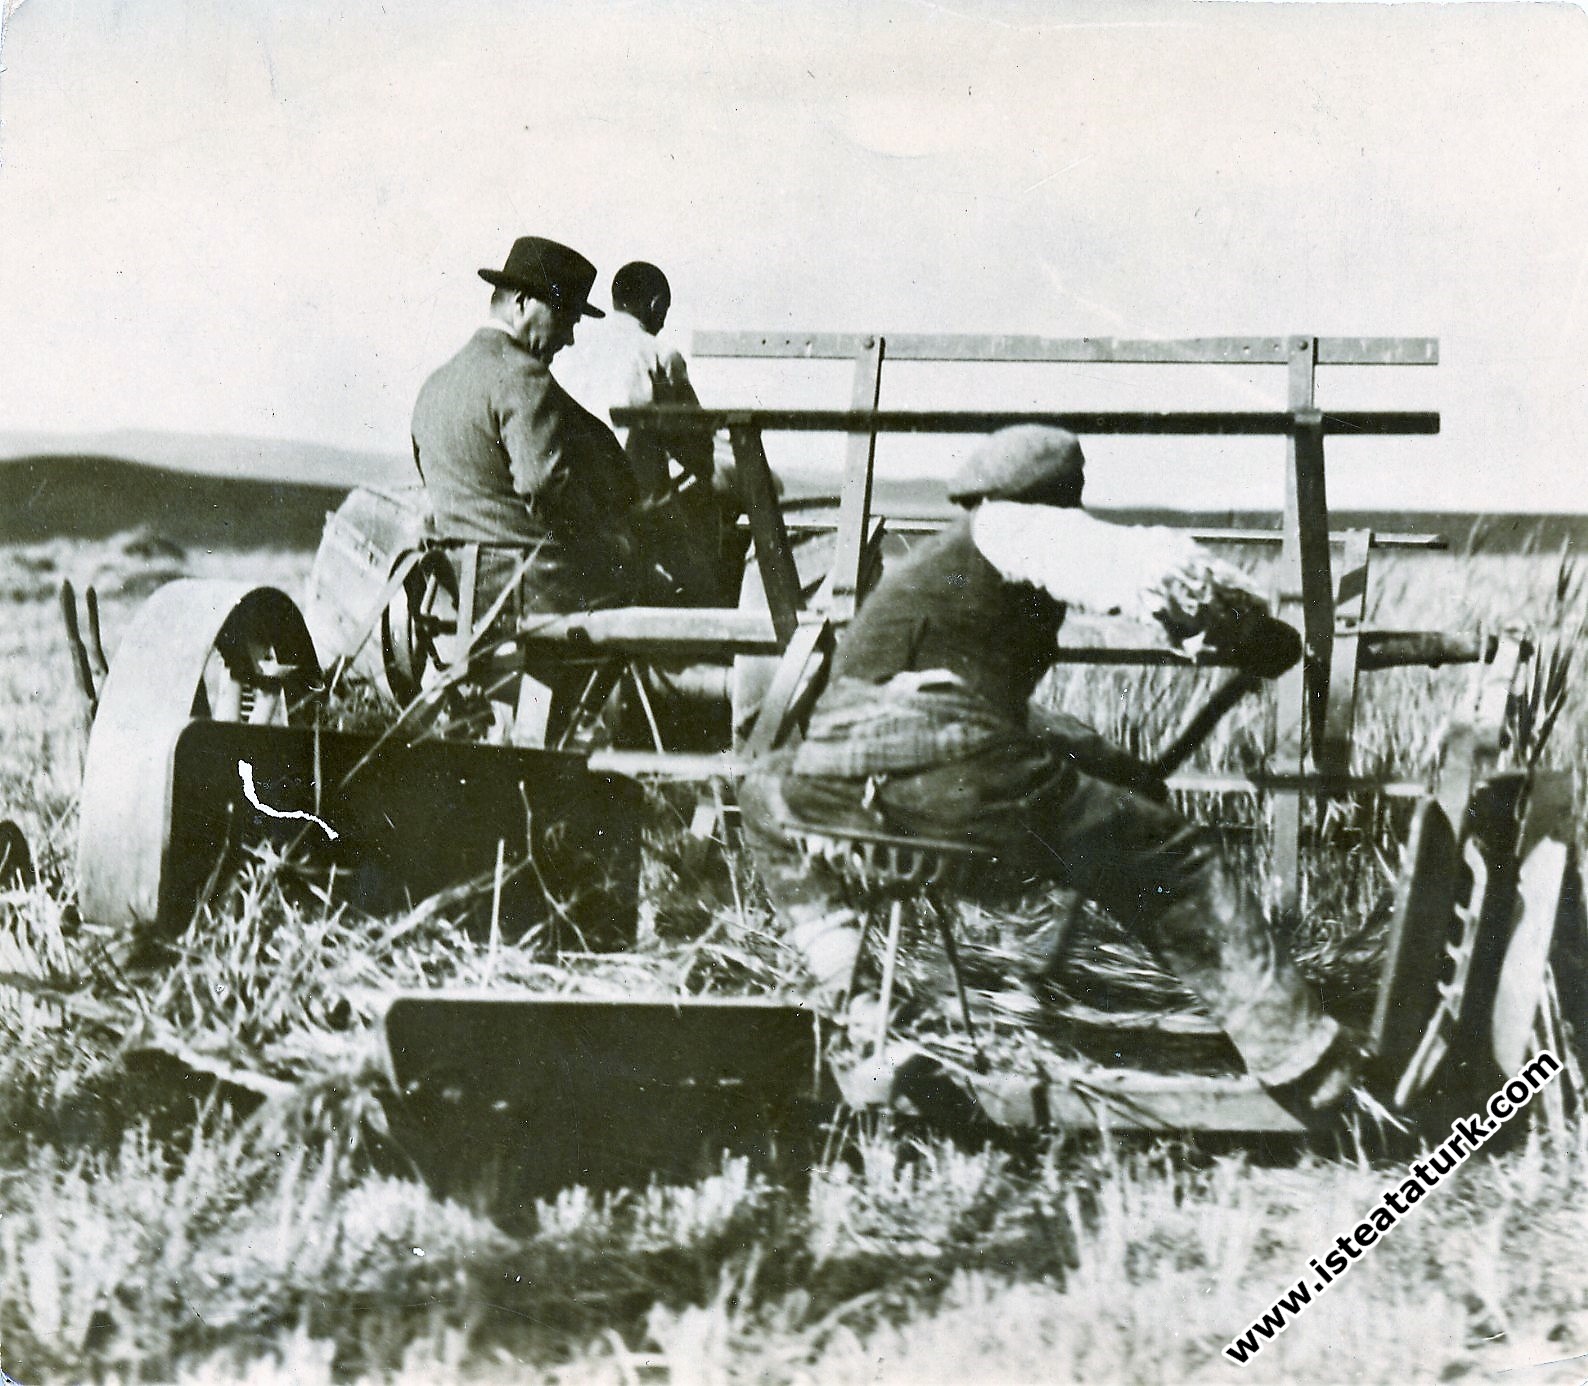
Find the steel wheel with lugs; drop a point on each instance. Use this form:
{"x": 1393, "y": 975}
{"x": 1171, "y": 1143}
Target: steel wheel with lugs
{"x": 196, "y": 650}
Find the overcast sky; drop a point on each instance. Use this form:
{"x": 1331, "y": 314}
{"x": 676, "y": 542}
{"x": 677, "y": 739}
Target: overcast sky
{"x": 265, "y": 218}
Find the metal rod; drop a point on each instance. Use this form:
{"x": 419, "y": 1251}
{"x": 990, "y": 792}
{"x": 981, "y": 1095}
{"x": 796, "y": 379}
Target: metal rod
{"x": 645, "y": 706}
{"x": 890, "y": 962}
{"x": 1380, "y": 649}
{"x": 79, "y": 652}
{"x": 725, "y": 630}
{"x": 96, "y": 642}
{"x": 1201, "y": 725}
{"x": 951, "y": 950}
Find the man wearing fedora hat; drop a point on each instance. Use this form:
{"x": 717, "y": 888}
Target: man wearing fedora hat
{"x": 926, "y": 728}
{"x": 508, "y": 457}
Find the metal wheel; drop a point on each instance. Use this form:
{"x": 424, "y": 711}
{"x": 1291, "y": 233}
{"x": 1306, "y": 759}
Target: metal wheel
{"x": 16, "y": 862}
{"x": 220, "y": 651}
{"x": 258, "y": 670}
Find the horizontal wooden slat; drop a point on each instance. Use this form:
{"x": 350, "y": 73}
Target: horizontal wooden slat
{"x": 1396, "y": 649}
{"x": 1137, "y": 656}
{"x": 1377, "y": 650}
{"x": 1118, "y": 421}
{"x": 725, "y": 631}
{"x": 832, "y": 346}
{"x": 797, "y": 523}
{"x": 654, "y": 630}
{"x": 1197, "y": 782}
{"x": 1273, "y": 536}
{"x": 1131, "y": 1099}
{"x": 1378, "y": 351}
{"x": 728, "y": 765}
{"x": 665, "y": 765}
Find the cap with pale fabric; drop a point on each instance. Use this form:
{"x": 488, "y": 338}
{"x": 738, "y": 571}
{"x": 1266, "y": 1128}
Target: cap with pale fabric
{"x": 1027, "y": 462}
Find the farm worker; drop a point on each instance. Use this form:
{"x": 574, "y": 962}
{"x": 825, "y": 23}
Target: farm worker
{"x": 925, "y": 729}
{"x": 508, "y": 457}
{"x": 688, "y": 498}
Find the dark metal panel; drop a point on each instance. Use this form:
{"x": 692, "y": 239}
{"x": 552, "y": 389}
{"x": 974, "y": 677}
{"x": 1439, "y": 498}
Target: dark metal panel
{"x": 530, "y": 1094}
{"x": 411, "y": 822}
{"x": 1420, "y": 927}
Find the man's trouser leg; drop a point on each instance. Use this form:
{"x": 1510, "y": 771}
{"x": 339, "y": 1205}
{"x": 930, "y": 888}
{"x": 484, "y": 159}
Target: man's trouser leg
{"x": 1165, "y": 879}
{"x": 805, "y": 893}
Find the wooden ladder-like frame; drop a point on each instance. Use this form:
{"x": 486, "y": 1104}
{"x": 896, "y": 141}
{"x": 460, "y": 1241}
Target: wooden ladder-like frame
{"x": 1326, "y": 601}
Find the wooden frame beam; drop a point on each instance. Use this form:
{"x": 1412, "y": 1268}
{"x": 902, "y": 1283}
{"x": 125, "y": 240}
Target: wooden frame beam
{"x": 854, "y": 506}
{"x": 1003, "y": 347}
{"x": 807, "y": 523}
{"x": 1338, "y": 724}
{"x": 1303, "y": 598}
{"x": 1316, "y": 702}
{"x": 780, "y": 578}
{"x": 1183, "y": 422}
{"x": 728, "y": 630}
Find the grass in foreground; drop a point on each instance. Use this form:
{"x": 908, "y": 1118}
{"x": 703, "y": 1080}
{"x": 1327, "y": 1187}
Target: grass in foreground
{"x": 235, "y": 1261}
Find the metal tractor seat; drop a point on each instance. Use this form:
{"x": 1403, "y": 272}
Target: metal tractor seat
{"x": 882, "y": 869}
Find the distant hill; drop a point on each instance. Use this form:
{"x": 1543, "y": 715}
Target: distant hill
{"x": 95, "y": 497}
{"x": 217, "y": 454}
{"x": 238, "y": 493}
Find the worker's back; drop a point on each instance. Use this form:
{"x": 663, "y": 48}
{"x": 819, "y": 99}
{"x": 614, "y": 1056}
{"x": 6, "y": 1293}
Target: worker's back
{"x": 946, "y": 607}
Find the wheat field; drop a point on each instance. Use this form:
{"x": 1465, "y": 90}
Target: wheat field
{"x": 148, "y": 1238}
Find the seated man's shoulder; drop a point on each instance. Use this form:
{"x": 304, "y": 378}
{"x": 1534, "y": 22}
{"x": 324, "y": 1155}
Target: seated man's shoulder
{"x": 487, "y": 356}
{"x": 512, "y": 370}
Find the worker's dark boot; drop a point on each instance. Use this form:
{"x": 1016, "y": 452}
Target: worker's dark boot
{"x": 1213, "y": 934}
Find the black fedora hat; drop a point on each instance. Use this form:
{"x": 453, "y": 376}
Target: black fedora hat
{"x": 561, "y": 276}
